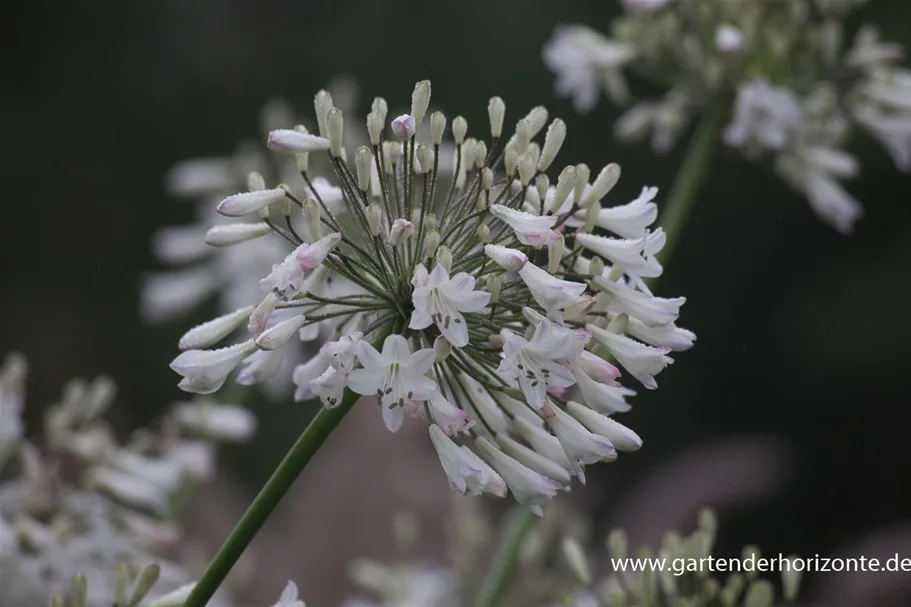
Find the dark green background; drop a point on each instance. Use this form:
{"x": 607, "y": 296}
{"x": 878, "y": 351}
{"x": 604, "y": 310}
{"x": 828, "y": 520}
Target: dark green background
{"x": 803, "y": 332}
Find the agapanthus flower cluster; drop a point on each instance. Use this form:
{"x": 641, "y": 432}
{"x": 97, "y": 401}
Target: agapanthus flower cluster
{"x": 486, "y": 306}
{"x": 83, "y": 503}
{"x": 778, "y": 72}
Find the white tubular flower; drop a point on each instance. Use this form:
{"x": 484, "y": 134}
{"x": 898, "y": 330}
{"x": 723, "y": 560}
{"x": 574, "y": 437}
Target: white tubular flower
{"x": 236, "y": 233}
{"x": 429, "y": 295}
{"x": 532, "y": 230}
{"x": 290, "y": 597}
{"x": 535, "y": 365}
{"x": 441, "y": 302}
{"x": 642, "y": 361}
{"x": 652, "y": 311}
{"x": 629, "y": 220}
{"x": 528, "y": 487}
{"x": 892, "y": 131}
{"x": 221, "y": 422}
{"x": 447, "y": 416}
{"x": 213, "y": 331}
{"x": 551, "y": 293}
{"x": 204, "y": 371}
{"x": 634, "y": 257}
{"x": 621, "y": 437}
{"x": 296, "y": 142}
{"x": 770, "y": 116}
{"x": 396, "y": 376}
{"x": 670, "y": 336}
{"x": 239, "y": 205}
{"x": 467, "y": 473}
{"x": 287, "y": 277}
{"x": 581, "y": 445}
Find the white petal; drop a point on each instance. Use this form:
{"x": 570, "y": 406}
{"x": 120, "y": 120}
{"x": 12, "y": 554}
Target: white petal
{"x": 213, "y": 331}
{"x": 281, "y": 333}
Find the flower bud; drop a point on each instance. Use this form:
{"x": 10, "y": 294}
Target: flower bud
{"x": 430, "y": 221}
{"x": 380, "y": 108}
{"x": 618, "y": 324}
{"x": 575, "y": 558}
{"x": 404, "y": 127}
{"x": 122, "y": 579}
{"x": 526, "y": 168}
{"x": 511, "y": 161}
{"x": 459, "y": 129}
{"x": 363, "y": 161}
{"x": 542, "y": 183}
{"x": 437, "y": 127}
{"x": 597, "y": 267}
{"x": 144, "y": 582}
{"x": 553, "y": 141}
{"x": 277, "y": 336}
{"x": 444, "y": 257}
{"x": 255, "y": 182}
{"x": 432, "y": 242}
{"x": 400, "y": 231}
{"x": 294, "y": 142}
{"x": 523, "y": 136}
{"x": 80, "y": 590}
{"x": 420, "y": 99}
{"x": 496, "y": 110}
{"x": 441, "y": 349}
{"x": 336, "y": 124}
{"x": 424, "y": 162}
{"x": 284, "y": 204}
{"x": 555, "y": 255}
{"x": 510, "y": 260}
{"x": 759, "y": 594}
{"x": 591, "y": 216}
{"x": 534, "y": 150}
{"x": 486, "y": 178}
{"x": 227, "y": 234}
{"x": 582, "y": 175}
{"x": 374, "y": 218}
{"x": 480, "y": 154}
{"x": 483, "y": 233}
{"x": 536, "y": 119}
{"x": 239, "y": 205}
{"x": 260, "y": 315}
{"x": 213, "y": 331}
{"x": 391, "y": 154}
{"x": 617, "y": 545}
{"x": 603, "y": 184}
{"x": 565, "y": 183}
{"x": 790, "y": 580}
{"x": 322, "y": 103}
{"x": 375, "y": 128}
{"x": 311, "y": 212}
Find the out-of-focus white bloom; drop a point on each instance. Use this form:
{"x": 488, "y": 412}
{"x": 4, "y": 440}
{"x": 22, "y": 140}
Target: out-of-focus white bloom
{"x": 218, "y": 421}
{"x": 892, "y": 131}
{"x": 728, "y": 38}
{"x": 769, "y": 115}
{"x": 581, "y": 57}
{"x": 289, "y": 597}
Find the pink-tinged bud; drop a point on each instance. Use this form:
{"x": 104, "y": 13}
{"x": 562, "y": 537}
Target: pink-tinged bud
{"x": 313, "y": 255}
{"x": 509, "y": 259}
{"x": 287, "y": 140}
{"x": 403, "y": 127}
{"x": 260, "y": 316}
{"x": 400, "y": 231}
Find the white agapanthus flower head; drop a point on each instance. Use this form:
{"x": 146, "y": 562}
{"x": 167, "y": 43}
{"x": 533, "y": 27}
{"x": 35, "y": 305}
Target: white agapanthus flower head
{"x": 464, "y": 302}
{"x": 776, "y": 72}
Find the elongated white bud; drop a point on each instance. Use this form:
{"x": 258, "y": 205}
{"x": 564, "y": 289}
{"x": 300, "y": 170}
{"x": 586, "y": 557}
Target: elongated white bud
{"x": 508, "y": 259}
{"x": 211, "y": 332}
{"x": 375, "y": 128}
{"x": 374, "y": 218}
{"x": 494, "y": 283}
{"x": 420, "y": 100}
{"x": 496, "y": 110}
{"x": 459, "y": 129}
{"x": 621, "y": 437}
{"x": 565, "y": 184}
{"x": 555, "y": 255}
{"x": 255, "y": 182}
{"x": 486, "y": 178}
{"x": 144, "y": 582}
{"x": 260, "y": 315}
{"x": 336, "y": 125}
{"x": 441, "y": 349}
{"x": 483, "y": 233}
{"x": 575, "y": 558}
{"x": 603, "y": 184}
{"x": 444, "y": 257}
{"x": 322, "y": 103}
{"x": 437, "y": 127}
{"x": 536, "y": 119}
{"x": 432, "y": 242}
{"x": 553, "y": 141}
{"x": 228, "y": 234}
{"x": 542, "y": 183}
{"x": 286, "y": 140}
{"x": 424, "y": 162}
{"x": 239, "y": 205}
{"x": 311, "y": 212}
{"x": 511, "y": 161}
{"x": 277, "y": 336}
{"x": 363, "y": 161}
{"x": 526, "y": 168}
{"x": 591, "y": 217}
{"x": 582, "y": 175}
{"x": 523, "y": 136}
{"x": 380, "y": 108}
{"x": 596, "y": 268}
{"x": 480, "y": 154}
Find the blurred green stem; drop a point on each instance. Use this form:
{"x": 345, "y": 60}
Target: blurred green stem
{"x": 696, "y": 164}
{"x": 272, "y": 493}
{"x": 674, "y": 214}
{"x": 521, "y": 521}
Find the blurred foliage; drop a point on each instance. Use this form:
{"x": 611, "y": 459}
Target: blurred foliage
{"x": 802, "y": 331}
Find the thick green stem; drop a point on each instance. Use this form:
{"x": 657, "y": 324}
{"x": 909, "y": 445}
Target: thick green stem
{"x": 521, "y": 521}
{"x": 696, "y": 163}
{"x": 269, "y": 497}
{"x": 674, "y": 214}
